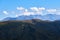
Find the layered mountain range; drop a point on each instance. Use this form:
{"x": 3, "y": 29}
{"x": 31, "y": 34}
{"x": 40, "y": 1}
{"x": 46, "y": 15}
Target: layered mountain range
{"x": 32, "y": 27}
{"x": 50, "y": 17}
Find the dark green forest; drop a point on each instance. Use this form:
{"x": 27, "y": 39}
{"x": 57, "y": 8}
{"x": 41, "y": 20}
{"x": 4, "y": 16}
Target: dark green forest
{"x": 30, "y": 30}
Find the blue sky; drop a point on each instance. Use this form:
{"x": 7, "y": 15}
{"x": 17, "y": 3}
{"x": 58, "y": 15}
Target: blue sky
{"x": 9, "y": 6}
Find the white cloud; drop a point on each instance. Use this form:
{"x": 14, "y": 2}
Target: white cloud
{"x": 5, "y": 12}
{"x": 42, "y": 8}
{"x": 51, "y": 10}
{"x": 26, "y": 13}
{"x": 26, "y": 10}
{"x": 37, "y": 9}
{"x": 20, "y": 8}
{"x": 34, "y": 9}
{"x": 17, "y": 15}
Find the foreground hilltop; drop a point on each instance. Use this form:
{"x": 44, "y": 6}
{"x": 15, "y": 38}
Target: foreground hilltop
{"x": 34, "y": 29}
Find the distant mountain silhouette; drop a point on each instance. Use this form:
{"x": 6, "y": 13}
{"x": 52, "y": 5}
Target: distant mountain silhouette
{"x": 34, "y": 29}
{"x": 50, "y": 17}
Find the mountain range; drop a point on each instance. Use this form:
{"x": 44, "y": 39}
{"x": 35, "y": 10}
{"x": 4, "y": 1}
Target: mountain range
{"x": 50, "y": 17}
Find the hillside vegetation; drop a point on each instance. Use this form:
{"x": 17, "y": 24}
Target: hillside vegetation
{"x": 30, "y": 30}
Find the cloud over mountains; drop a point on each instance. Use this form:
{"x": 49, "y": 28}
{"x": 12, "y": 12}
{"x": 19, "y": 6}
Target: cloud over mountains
{"x": 37, "y": 11}
{"x": 33, "y": 11}
{"x": 5, "y": 12}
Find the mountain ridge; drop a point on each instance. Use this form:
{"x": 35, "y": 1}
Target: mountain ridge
{"x": 50, "y": 17}
{"x": 24, "y": 30}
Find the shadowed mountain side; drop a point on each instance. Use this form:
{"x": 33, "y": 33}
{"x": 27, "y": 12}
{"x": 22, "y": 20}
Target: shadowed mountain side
{"x": 30, "y": 30}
